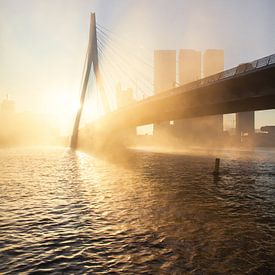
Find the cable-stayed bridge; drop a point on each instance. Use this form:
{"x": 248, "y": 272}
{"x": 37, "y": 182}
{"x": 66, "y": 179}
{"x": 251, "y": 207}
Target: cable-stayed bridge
{"x": 247, "y": 87}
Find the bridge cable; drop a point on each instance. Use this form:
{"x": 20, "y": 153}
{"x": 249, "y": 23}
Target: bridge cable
{"x": 118, "y": 69}
{"x": 128, "y": 63}
{"x": 107, "y": 40}
{"x": 116, "y": 37}
{"x": 124, "y": 63}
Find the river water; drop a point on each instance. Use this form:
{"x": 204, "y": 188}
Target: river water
{"x": 146, "y": 213}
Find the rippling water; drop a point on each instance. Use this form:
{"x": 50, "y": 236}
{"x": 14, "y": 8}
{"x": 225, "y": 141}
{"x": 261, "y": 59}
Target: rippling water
{"x": 151, "y": 213}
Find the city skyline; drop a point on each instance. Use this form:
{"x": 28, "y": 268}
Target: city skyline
{"x": 43, "y": 43}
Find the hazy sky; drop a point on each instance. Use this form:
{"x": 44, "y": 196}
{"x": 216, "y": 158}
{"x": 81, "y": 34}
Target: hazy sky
{"x": 43, "y": 42}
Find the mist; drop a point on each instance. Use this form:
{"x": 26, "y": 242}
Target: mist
{"x": 26, "y": 128}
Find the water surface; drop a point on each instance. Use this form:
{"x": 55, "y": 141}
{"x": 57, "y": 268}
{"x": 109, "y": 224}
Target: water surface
{"x": 150, "y": 213}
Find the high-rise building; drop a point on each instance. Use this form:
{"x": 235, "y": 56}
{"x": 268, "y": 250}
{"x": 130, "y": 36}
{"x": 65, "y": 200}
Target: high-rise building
{"x": 189, "y": 70}
{"x": 164, "y": 70}
{"x": 189, "y": 66}
{"x": 125, "y": 98}
{"x": 245, "y": 123}
{"x": 164, "y": 79}
{"x": 213, "y": 62}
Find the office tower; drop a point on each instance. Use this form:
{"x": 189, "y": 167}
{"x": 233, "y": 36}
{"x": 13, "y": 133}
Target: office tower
{"x": 164, "y": 79}
{"x": 125, "y": 98}
{"x": 213, "y": 62}
{"x": 245, "y": 123}
{"x": 189, "y": 71}
{"x": 189, "y": 66}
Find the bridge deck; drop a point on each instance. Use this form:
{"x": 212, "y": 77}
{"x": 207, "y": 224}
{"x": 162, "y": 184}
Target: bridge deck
{"x": 247, "y": 87}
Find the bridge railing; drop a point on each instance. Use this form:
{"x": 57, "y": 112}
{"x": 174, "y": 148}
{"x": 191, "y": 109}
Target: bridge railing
{"x": 272, "y": 59}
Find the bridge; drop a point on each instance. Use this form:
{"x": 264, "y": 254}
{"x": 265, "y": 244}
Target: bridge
{"x": 240, "y": 89}
{"x": 247, "y": 87}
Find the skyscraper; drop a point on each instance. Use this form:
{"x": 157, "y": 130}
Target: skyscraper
{"x": 164, "y": 79}
{"x": 189, "y": 66}
{"x": 213, "y": 62}
{"x": 125, "y": 98}
{"x": 164, "y": 70}
{"x": 189, "y": 70}
{"x": 245, "y": 123}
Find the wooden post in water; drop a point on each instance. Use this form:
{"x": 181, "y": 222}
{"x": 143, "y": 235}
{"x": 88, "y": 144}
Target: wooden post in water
{"x": 217, "y": 167}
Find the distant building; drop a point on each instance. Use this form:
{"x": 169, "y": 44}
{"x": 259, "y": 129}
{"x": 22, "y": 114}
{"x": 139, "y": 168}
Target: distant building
{"x": 189, "y": 66}
{"x": 265, "y": 138}
{"x": 164, "y": 79}
{"x": 124, "y": 97}
{"x": 213, "y": 62}
{"x": 7, "y": 107}
{"x": 189, "y": 71}
{"x": 192, "y": 65}
{"x": 245, "y": 123}
{"x": 269, "y": 129}
{"x": 164, "y": 70}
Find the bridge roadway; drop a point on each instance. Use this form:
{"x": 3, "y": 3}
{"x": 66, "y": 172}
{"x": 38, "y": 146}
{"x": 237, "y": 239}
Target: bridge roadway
{"x": 247, "y": 87}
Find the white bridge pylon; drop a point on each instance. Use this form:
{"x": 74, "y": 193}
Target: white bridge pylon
{"x": 91, "y": 60}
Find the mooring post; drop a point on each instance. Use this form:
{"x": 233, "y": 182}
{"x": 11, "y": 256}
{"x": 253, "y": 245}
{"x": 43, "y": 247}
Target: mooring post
{"x": 217, "y": 167}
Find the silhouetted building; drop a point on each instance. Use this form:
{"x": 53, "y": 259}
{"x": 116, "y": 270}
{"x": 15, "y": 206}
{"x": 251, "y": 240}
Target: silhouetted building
{"x": 213, "y": 62}
{"x": 245, "y": 123}
{"x": 164, "y": 79}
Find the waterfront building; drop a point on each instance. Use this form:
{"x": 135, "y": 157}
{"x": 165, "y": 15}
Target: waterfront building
{"x": 245, "y": 123}
{"x": 213, "y": 62}
{"x": 164, "y": 79}
{"x": 189, "y": 66}
{"x": 125, "y": 98}
{"x": 189, "y": 71}
{"x": 192, "y": 65}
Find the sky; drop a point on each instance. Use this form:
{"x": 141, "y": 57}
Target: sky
{"x": 43, "y": 42}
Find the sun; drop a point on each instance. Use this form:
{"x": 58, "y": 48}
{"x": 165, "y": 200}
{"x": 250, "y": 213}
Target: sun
{"x": 61, "y": 105}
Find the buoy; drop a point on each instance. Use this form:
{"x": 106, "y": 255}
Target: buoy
{"x": 217, "y": 167}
